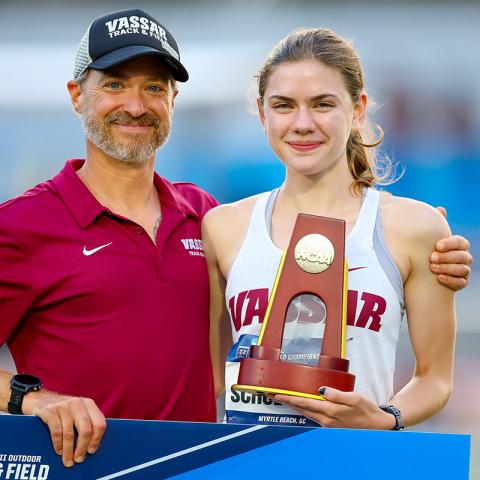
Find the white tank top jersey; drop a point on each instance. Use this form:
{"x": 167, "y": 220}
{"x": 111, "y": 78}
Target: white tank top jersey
{"x": 374, "y": 310}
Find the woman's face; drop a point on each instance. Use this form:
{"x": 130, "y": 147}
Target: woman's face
{"x": 308, "y": 114}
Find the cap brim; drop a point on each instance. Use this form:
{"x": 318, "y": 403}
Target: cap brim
{"x": 121, "y": 55}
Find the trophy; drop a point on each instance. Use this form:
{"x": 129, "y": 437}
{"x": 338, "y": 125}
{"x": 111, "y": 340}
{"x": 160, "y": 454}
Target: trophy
{"x": 301, "y": 346}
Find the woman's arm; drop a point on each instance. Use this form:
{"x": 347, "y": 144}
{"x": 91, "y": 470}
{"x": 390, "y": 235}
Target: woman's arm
{"x": 431, "y": 322}
{"x": 220, "y": 331}
{"x": 414, "y": 228}
{"x": 223, "y": 231}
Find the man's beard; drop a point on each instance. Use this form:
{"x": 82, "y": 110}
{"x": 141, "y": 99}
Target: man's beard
{"x": 135, "y": 152}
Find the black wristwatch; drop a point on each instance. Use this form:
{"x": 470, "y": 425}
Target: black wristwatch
{"x": 20, "y": 385}
{"x": 399, "y": 425}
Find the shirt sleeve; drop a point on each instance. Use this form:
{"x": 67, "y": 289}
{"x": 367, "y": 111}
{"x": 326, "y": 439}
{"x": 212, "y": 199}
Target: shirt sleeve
{"x": 200, "y": 200}
{"x": 16, "y": 292}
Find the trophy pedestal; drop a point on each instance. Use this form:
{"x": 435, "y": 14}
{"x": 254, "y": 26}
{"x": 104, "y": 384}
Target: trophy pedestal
{"x": 274, "y": 376}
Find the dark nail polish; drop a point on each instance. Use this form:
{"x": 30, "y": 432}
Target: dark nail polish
{"x": 322, "y": 390}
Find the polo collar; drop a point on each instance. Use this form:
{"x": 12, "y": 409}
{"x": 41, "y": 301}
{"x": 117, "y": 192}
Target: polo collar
{"x": 171, "y": 197}
{"x": 85, "y": 208}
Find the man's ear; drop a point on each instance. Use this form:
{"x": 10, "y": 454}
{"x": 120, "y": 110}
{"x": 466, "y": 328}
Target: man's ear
{"x": 261, "y": 114}
{"x": 175, "y": 93}
{"x": 360, "y": 111}
{"x": 76, "y": 96}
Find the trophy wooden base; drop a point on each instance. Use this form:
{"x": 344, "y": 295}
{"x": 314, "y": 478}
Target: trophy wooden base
{"x": 273, "y": 376}
{"x": 267, "y": 390}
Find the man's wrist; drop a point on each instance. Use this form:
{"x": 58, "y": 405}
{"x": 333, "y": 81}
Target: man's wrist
{"x": 31, "y": 400}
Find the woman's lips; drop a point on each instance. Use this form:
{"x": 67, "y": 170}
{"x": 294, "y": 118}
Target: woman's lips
{"x": 304, "y": 146}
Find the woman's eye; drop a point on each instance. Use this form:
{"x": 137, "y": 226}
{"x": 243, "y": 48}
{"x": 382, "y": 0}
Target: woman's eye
{"x": 323, "y": 106}
{"x": 281, "y": 106}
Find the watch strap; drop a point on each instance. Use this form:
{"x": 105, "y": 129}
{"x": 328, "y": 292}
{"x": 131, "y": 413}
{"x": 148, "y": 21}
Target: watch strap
{"x": 15, "y": 403}
{"x": 399, "y": 425}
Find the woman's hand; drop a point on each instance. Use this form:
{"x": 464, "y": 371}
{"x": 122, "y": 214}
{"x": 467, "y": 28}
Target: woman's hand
{"x": 340, "y": 410}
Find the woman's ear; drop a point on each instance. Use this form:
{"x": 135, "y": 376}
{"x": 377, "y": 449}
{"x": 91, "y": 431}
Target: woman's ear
{"x": 360, "y": 111}
{"x": 261, "y": 114}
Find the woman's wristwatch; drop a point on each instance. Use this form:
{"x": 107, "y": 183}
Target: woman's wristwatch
{"x": 399, "y": 425}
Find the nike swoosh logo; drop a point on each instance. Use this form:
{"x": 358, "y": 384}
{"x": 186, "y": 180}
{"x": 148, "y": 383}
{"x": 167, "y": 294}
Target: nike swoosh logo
{"x": 355, "y": 268}
{"x": 87, "y": 253}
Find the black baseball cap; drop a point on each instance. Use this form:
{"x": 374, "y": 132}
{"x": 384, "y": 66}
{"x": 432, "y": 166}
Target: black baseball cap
{"x": 120, "y": 36}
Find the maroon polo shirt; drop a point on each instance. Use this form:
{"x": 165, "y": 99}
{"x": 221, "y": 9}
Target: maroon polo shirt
{"x": 93, "y": 307}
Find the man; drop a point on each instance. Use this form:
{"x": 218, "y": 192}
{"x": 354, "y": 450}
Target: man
{"x": 104, "y": 288}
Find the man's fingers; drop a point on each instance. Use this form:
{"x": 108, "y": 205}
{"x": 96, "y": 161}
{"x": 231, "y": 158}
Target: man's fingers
{"x": 454, "y": 283}
{"x": 452, "y": 269}
{"x": 68, "y": 436}
{"x": 68, "y": 418}
{"x": 52, "y": 420}
{"x": 98, "y": 423}
{"x": 443, "y": 211}
{"x": 83, "y": 426}
{"x": 455, "y": 256}
{"x": 455, "y": 242}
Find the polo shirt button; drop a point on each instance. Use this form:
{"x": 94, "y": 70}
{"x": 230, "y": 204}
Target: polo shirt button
{"x": 139, "y": 230}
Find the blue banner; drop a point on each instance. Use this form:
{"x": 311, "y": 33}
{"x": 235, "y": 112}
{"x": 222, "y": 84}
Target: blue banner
{"x": 135, "y": 450}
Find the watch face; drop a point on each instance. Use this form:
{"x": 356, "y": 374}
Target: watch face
{"x": 21, "y": 385}
{"x": 25, "y": 383}
{"x": 28, "y": 380}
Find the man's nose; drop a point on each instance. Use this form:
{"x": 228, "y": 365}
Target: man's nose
{"x": 134, "y": 104}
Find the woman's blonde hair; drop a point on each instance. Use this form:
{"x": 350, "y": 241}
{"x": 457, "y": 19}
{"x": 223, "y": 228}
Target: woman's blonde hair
{"x": 326, "y": 46}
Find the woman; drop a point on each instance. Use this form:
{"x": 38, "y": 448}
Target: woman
{"x": 312, "y": 105}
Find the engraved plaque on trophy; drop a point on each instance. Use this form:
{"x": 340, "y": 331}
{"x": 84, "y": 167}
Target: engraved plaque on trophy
{"x": 301, "y": 346}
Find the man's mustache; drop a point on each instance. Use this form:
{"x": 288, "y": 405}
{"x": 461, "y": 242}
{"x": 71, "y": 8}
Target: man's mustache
{"x": 126, "y": 119}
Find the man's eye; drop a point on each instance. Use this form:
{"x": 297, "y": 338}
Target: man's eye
{"x": 155, "y": 88}
{"x": 113, "y": 85}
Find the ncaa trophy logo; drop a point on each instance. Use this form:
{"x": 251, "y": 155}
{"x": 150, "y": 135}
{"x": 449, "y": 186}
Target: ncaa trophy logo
{"x": 301, "y": 346}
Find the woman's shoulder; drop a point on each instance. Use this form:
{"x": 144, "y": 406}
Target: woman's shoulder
{"x": 224, "y": 228}
{"x": 412, "y": 219}
{"x": 411, "y": 228}
{"x": 229, "y": 214}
